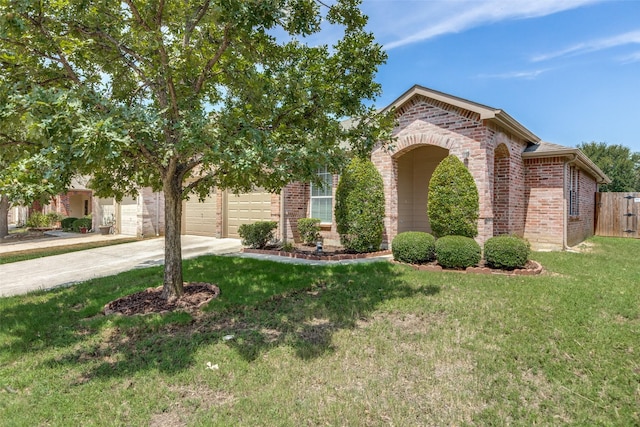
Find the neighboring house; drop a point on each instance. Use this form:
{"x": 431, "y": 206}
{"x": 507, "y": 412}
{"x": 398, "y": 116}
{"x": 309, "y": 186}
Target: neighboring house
{"x": 527, "y": 187}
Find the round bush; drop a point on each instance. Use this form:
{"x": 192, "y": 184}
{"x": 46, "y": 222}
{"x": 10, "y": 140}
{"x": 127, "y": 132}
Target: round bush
{"x": 414, "y": 247}
{"x": 453, "y": 204}
{"x": 360, "y": 207}
{"x": 81, "y": 223}
{"x": 457, "y": 252}
{"x": 506, "y": 252}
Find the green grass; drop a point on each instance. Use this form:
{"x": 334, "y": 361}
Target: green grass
{"x": 27, "y": 254}
{"x": 374, "y": 344}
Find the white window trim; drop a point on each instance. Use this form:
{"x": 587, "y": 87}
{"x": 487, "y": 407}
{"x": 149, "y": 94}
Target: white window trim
{"x": 322, "y": 171}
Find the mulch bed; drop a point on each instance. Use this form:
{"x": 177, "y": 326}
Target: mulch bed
{"x": 329, "y": 253}
{"x": 196, "y": 295}
{"x": 531, "y": 268}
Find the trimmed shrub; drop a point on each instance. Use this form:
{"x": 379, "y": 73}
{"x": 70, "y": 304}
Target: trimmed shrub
{"x": 81, "y": 223}
{"x": 457, "y": 252}
{"x": 38, "y": 220}
{"x": 453, "y": 205}
{"x": 360, "y": 207}
{"x": 54, "y": 218}
{"x": 506, "y": 252}
{"x": 309, "y": 229}
{"x": 414, "y": 247}
{"x": 258, "y": 234}
{"x": 67, "y": 223}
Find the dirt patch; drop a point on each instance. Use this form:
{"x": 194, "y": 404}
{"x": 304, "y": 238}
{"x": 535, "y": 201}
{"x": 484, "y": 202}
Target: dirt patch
{"x": 196, "y": 295}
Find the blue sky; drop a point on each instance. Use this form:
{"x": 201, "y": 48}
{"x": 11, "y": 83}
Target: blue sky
{"x": 568, "y": 70}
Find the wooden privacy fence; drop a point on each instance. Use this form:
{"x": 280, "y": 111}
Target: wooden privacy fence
{"x": 617, "y": 214}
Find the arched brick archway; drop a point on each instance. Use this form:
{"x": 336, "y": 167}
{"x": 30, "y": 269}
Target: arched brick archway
{"x": 407, "y": 169}
{"x": 414, "y": 170}
{"x": 501, "y": 189}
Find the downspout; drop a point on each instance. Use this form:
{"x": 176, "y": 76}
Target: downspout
{"x": 283, "y": 220}
{"x": 157, "y": 214}
{"x": 565, "y": 207}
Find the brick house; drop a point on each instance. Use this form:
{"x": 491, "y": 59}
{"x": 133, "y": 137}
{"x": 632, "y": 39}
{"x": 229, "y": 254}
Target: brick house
{"x": 538, "y": 190}
{"x": 542, "y": 191}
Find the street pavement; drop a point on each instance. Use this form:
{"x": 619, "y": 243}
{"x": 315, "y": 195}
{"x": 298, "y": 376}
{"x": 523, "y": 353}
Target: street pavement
{"x": 61, "y": 270}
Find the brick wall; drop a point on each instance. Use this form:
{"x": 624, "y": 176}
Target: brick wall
{"x": 297, "y": 205}
{"x": 151, "y": 215}
{"x": 545, "y": 204}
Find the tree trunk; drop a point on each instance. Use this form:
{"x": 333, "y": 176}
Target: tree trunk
{"x": 4, "y": 216}
{"x": 172, "y": 286}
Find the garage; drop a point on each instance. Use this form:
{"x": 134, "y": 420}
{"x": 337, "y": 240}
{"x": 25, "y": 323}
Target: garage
{"x": 128, "y": 221}
{"x": 200, "y": 217}
{"x": 245, "y": 208}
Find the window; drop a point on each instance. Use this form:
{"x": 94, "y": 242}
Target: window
{"x": 322, "y": 197}
{"x": 574, "y": 200}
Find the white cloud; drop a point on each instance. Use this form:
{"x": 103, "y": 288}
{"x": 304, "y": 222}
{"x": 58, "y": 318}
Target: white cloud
{"x": 405, "y": 22}
{"x": 628, "y": 59}
{"x": 632, "y": 37}
{"x": 527, "y": 75}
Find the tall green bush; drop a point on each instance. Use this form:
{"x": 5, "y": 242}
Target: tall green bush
{"x": 360, "y": 207}
{"x": 453, "y": 205}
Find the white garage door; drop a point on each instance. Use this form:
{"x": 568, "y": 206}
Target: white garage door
{"x": 200, "y": 217}
{"x": 128, "y": 217}
{"x": 246, "y": 208}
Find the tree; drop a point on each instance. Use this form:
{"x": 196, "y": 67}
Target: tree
{"x": 360, "y": 206}
{"x": 617, "y": 162}
{"x": 187, "y": 96}
{"x": 27, "y": 169}
{"x": 453, "y": 204}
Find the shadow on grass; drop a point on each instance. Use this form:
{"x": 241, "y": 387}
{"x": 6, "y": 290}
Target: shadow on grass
{"x": 262, "y": 305}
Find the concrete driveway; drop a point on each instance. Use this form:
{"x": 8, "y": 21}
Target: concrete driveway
{"x": 59, "y": 270}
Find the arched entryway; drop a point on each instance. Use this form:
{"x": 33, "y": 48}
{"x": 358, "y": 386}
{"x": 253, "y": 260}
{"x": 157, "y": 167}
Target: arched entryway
{"x": 414, "y": 168}
{"x": 501, "y": 188}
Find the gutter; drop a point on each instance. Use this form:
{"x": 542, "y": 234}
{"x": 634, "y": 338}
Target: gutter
{"x": 576, "y": 156}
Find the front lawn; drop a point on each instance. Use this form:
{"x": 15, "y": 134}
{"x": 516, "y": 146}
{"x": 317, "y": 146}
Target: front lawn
{"x": 368, "y": 344}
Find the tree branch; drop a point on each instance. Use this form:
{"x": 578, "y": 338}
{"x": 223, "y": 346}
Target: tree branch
{"x": 189, "y": 27}
{"x": 226, "y": 41}
{"x": 120, "y": 48}
{"x": 136, "y": 14}
{"x": 159, "y": 13}
{"x": 61, "y": 57}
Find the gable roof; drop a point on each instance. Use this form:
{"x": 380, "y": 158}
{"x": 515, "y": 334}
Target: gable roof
{"x": 548, "y": 149}
{"x": 494, "y": 115}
